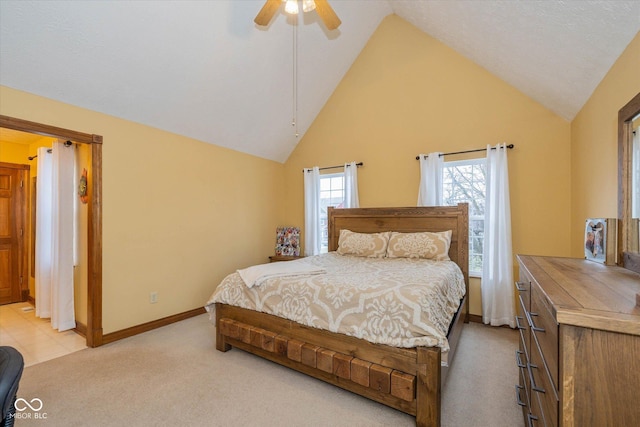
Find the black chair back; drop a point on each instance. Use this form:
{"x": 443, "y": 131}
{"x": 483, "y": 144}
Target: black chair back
{"x": 11, "y": 367}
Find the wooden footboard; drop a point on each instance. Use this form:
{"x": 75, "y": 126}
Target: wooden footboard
{"x": 409, "y": 380}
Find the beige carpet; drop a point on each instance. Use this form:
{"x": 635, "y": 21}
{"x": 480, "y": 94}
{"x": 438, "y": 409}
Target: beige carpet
{"x": 174, "y": 376}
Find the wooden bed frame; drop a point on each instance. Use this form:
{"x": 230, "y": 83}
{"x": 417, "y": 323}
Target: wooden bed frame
{"x": 407, "y": 379}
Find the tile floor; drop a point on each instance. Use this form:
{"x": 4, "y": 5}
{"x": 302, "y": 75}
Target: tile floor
{"x": 34, "y": 337}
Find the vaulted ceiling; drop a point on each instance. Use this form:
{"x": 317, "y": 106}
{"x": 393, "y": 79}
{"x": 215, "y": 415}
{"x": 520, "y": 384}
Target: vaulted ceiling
{"x": 203, "y": 69}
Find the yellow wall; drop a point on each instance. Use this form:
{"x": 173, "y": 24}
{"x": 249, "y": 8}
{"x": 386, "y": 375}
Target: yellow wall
{"x": 594, "y": 145}
{"x": 14, "y": 153}
{"x": 178, "y": 214}
{"x": 406, "y": 94}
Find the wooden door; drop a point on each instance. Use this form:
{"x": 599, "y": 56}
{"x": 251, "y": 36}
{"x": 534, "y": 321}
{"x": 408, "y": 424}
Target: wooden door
{"x": 12, "y": 232}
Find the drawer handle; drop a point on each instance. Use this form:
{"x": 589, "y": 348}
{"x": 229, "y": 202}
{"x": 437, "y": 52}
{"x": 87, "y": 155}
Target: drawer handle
{"x": 518, "y": 361}
{"x": 534, "y": 387}
{"x": 518, "y": 326}
{"x": 520, "y": 287}
{"x": 533, "y": 325}
{"x": 530, "y": 419}
{"x": 518, "y": 400}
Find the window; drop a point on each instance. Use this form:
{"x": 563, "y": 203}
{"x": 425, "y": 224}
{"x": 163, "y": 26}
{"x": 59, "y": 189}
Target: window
{"x": 464, "y": 182}
{"x": 331, "y": 194}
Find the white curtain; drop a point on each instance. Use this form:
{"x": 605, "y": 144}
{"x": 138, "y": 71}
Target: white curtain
{"x": 44, "y": 260}
{"x": 635, "y": 174}
{"x": 351, "y": 185}
{"x": 312, "y": 236}
{"x": 497, "y": 270}
{"x": 55, "y": 236}
{"x": 430, "y": 193}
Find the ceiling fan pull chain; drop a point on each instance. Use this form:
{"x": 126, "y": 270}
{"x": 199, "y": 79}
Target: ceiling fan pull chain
{"x": 294, "y": 121}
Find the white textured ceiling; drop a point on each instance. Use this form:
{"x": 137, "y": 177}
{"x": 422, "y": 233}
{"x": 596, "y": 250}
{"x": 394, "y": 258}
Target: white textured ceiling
{"x": 556, "y": 52}
{"x": 203, "y": 69}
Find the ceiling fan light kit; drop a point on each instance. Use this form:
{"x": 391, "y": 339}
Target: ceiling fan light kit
{"x": 308, "y": 5}
{"x": 292, "y": 7}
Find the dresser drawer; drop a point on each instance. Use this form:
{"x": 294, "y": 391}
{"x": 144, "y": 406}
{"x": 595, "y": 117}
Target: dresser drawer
{"x": 522, "y": 324}
{"x": 522, "y": 391}
{"x": 542, "y": 387}
{"x": 522, "y": 361}
{"x": 523, "y": 288}
{"x": 545, "y": 332}
{"x": 535, "y": 418}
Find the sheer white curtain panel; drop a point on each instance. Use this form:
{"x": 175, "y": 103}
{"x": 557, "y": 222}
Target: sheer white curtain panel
{"x": 351, "y": 199}
{"x": 43, "y": 252}
{"x": 312, "y": 240}
{"x": 55, "y": 236}
{"x": 497, "y": 272}
{"x": 430, "y": 193}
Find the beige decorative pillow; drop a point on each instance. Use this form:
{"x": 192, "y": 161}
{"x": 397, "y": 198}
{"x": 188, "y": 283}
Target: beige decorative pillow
{"x": 372, "y": 245}
{"x": 420, "y": 245}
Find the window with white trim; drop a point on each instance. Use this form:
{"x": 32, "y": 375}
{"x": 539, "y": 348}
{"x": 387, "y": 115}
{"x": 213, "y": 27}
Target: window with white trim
{"x": 464, "y": 181}
{"x": 331, "y": 194}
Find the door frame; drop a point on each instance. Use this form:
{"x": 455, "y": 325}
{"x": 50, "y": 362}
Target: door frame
{"x": 93, "y": 331}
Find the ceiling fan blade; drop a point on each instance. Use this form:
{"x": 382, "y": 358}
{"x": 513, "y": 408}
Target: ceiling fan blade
{"x": 266, "y": 13}
{"x": 328, "y": 16}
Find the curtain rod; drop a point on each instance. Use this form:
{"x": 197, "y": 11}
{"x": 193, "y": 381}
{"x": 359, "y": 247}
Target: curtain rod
{"x": 66, "y": 144}
{"x": 33, "y": 157}
{"x": 463, "y": 152}
{"x": 333, "y": 167}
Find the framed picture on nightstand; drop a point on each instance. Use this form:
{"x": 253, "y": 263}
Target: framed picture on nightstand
{"x": 600, "y": 240}
{"x": 288, "y": 241}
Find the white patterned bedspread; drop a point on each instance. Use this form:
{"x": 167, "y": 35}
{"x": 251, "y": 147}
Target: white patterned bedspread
{"x": 399, "y": 302}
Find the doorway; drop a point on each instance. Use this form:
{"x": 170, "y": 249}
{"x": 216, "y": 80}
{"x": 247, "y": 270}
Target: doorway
{"x": 93, "y": 328}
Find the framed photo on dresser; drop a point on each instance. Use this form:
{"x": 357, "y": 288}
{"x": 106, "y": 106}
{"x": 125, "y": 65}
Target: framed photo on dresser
{"x": 600, "y": 240}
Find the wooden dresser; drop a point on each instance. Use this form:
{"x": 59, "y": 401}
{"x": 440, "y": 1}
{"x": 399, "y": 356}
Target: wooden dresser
{"x": 579, "y": 354}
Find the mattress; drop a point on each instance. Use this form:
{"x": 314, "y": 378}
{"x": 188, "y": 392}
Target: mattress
{"x": 400, "y": 302}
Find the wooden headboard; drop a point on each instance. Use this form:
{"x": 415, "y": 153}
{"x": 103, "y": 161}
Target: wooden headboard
{"x": 408, "y": 220}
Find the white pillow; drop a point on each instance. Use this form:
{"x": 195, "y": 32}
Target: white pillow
{"x": 371, "y": 245}
{"x": 420, "y": 245}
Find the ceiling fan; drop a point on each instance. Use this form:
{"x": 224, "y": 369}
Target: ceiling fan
{"x": 326, "y": 13}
